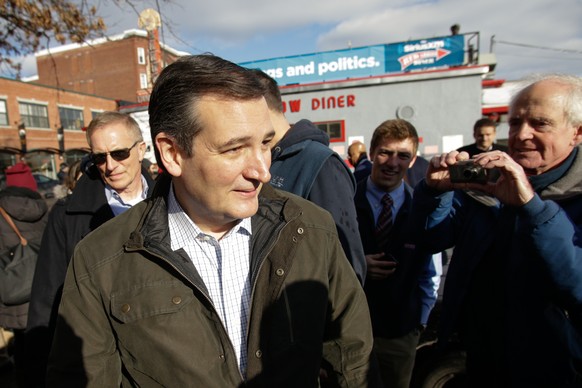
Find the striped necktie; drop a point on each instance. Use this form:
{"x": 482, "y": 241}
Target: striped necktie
{"x": 384, "y": 223}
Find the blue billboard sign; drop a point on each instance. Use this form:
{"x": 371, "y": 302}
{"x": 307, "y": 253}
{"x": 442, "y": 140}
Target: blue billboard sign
{"x": 364, "y": 61}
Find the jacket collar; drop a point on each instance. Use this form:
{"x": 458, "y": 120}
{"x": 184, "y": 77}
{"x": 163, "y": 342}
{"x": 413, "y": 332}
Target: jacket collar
{"x": 569, "y": 184}
{"x": 152, "y": 231}
{"x": 274, "y": 208}
{"x": 89, "y": 194}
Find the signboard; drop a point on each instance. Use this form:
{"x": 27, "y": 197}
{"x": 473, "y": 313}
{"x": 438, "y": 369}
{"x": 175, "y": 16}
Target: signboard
{"x": 364, "y": 61}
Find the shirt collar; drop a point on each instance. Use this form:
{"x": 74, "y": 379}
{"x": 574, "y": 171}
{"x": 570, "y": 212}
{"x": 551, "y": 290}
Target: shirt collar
{"x": 176, "y": 210}
{"x": 117, "y": 204}
{"x": 397, "y": 194}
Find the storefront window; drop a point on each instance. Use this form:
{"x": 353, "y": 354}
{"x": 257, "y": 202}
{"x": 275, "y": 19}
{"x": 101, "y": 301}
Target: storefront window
{"x": 71, "y": 156}
{"x": 42, "y": 162}
{"x": 7, "y": 159}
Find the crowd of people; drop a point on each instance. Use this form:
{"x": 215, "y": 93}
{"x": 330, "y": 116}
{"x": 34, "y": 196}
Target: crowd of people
{"x": 258, "y": 258}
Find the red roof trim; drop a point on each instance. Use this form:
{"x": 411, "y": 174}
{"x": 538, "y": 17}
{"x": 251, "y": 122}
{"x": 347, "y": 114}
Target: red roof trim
{"x": 495, "y": 109}
{"x": 492, "y": 83}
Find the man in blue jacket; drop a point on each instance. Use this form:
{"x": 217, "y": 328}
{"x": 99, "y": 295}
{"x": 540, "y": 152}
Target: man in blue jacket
{"x": 514, "y": 286}
{"x": 302, "y": 163}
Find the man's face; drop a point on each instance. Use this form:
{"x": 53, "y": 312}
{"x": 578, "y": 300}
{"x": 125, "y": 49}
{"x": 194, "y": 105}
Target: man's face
{"x": 123, "y": 176}
{"x": 540, "y": 136}
{"x": 220, "y": 183}
{"x": 390, "y": 160}
{"x": 484, "y": 137}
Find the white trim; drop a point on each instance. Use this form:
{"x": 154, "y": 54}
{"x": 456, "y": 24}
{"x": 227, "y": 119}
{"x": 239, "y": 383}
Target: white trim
{"x": 32, "y": 101}
{"x": 32, "y": 78}
{"x": 81, "y": 108}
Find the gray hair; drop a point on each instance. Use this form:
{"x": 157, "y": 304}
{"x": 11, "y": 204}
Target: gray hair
{"x": 573, "y": 98}
{"x": 109, "y": 117}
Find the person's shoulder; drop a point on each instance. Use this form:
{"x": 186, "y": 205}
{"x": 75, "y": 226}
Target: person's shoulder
{"x": 112, "y": 234}
{"x": 296, "y": 206}
{"x": 60, "y": 206}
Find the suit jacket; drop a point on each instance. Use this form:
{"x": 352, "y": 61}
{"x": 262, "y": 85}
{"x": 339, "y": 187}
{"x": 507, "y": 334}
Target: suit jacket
{"x": 396, "y": 302}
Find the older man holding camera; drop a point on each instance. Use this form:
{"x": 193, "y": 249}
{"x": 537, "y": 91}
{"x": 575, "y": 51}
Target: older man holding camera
{"x": 514, "y": 286}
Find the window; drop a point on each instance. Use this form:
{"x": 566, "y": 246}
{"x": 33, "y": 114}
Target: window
{"x": 335, "y": 130}
{"x": 33, "y": 115}
{"x": 143, "y": 81}
{"x": 3, "y": 113}
{"x": 71, "y": 118}
{"x": 95, "y": 113}
{"x": 141, "y": 59}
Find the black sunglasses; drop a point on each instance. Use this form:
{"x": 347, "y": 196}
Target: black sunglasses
{"x": 118, "y": 155}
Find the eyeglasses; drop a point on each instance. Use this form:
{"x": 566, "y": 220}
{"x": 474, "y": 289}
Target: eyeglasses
{"x": 118, "y": 155}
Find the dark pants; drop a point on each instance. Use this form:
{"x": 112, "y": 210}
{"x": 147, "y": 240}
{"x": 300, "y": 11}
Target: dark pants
{"x": 396, "y": 358}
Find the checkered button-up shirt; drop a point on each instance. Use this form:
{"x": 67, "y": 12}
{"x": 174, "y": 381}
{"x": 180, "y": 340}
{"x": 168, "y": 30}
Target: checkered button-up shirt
{"x": 224, "y": 267}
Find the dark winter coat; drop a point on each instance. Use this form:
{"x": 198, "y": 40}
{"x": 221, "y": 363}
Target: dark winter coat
{"x": 70, "y": 220}
{"x": 29, "y": 212}
{"x": 136, "y": 313}
{"x": 302, "y": 163}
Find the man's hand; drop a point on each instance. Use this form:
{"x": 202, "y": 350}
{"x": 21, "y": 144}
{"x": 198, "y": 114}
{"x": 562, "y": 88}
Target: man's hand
{"x": 512, "y": 188}
{"x": 378, "y": 267}
{"x": 437, "y": 174}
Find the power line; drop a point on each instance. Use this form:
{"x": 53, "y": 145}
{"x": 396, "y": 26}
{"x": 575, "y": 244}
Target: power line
{"x": 537, "y": 47}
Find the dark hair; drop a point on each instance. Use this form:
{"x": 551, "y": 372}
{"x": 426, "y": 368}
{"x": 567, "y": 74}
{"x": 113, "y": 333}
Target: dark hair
{"x": 270, "y": 89}
{"x": 109, "y": 117}
{"x": 173, "y": 102}
{"x": 396, "y": 129}
{"x": 485, "y": 122}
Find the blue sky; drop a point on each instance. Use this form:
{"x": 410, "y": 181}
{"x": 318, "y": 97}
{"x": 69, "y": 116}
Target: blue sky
{"x": 258, "y": 29}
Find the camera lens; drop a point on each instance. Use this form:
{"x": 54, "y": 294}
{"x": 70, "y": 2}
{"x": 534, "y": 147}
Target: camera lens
{"x": 470, "y": 172}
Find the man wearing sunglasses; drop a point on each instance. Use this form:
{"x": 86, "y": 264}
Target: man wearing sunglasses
{"x": 112, "y": 183}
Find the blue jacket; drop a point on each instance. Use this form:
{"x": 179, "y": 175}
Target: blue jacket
{"x": 363, "y": 168}
{"x": 399, "y": 303}
{"x": 533, "y": 260}
{"x": 302, "y": 163}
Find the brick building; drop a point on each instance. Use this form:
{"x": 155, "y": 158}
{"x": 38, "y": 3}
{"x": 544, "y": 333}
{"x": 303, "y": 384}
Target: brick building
{"x": 35, "y": 117}
{"x": 74, "y": 83}
{"x": 118, "y": 67}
